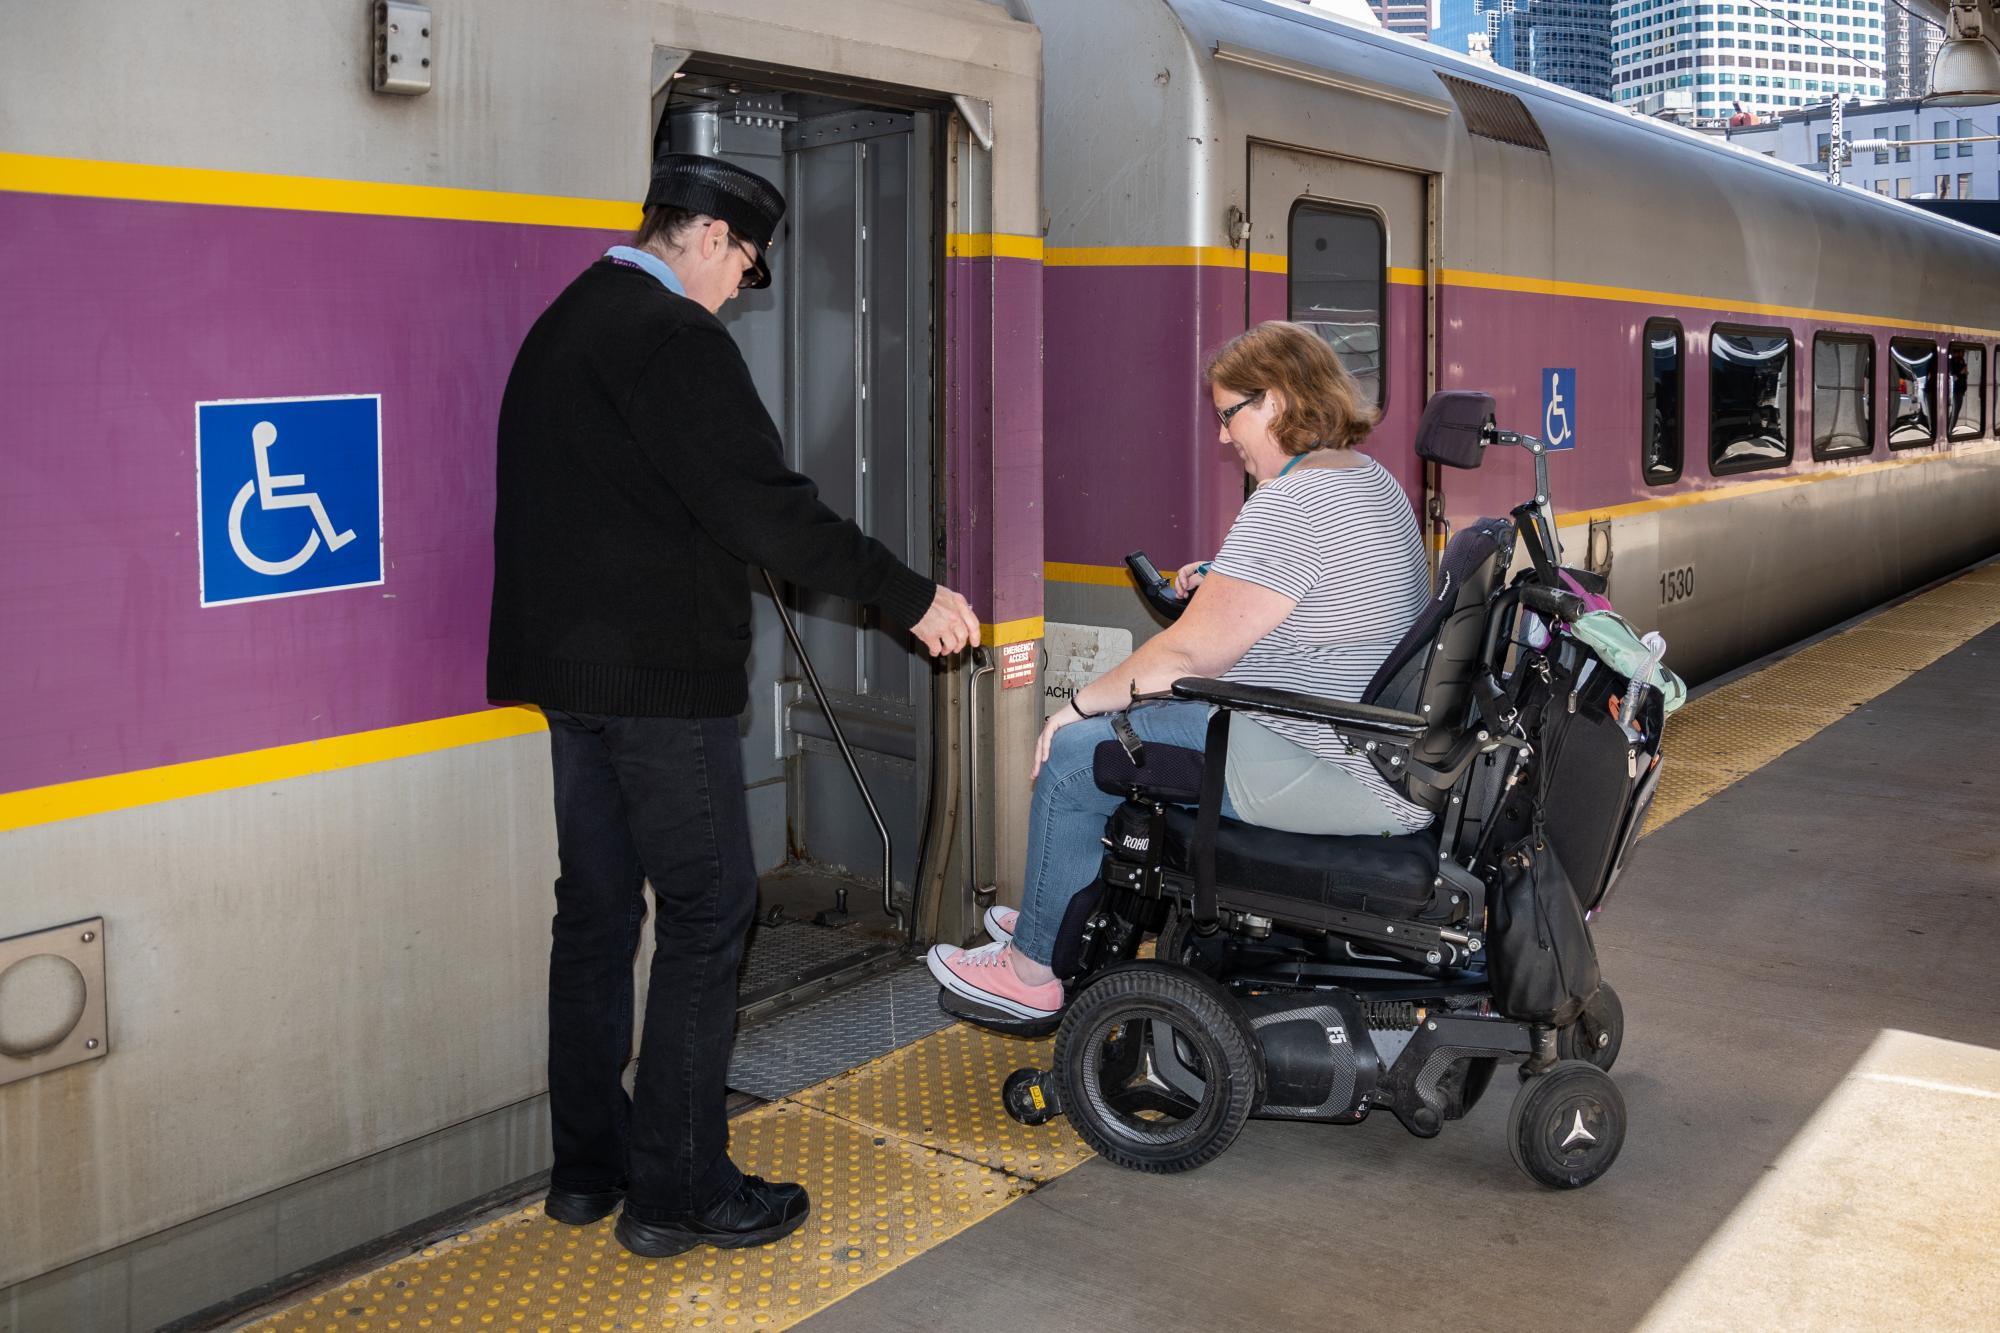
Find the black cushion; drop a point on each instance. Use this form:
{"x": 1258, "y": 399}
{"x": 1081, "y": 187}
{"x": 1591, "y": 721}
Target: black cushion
{"x": 1389, "y": 876}
{"x": 1169, "y": 773}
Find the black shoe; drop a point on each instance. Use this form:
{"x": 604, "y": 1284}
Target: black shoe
{"x": 755, "y": 1213}
{"x": 580, "y": 1208}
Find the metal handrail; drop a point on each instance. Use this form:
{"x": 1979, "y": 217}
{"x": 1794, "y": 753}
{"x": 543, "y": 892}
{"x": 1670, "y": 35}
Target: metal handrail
{"x": 846, "y": 753}
{"x": 983, "y": 665}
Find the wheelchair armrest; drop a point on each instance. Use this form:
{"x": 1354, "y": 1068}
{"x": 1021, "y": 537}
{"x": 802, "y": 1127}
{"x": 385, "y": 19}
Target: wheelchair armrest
{"x": 1364, "y": 720}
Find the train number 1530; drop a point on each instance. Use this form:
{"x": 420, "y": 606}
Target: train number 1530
{"x": 1676, "y": 585}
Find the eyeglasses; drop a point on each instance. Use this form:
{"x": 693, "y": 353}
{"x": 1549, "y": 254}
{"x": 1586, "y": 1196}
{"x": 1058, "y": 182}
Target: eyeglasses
{"x": 1223, "y": 414}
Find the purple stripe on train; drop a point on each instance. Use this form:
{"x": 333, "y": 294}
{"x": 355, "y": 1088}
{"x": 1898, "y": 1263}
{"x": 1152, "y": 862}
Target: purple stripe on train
{"x": 1134, "y": 455}
{"x": 1131, "y": 453}
{"x": 993, "y": 451}
{"x": 1503, "y": 342}
{"x": 1125, "y": 346}
{"x": 121, "y": 317}
{"x": 124, "y": 315}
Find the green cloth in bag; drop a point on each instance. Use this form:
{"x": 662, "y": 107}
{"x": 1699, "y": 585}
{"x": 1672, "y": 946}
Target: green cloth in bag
{"x": 1617, "y": 644}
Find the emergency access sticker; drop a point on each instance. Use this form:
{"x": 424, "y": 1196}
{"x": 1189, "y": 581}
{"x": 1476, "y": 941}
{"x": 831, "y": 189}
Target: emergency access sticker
{"x": 1017, "y": 665}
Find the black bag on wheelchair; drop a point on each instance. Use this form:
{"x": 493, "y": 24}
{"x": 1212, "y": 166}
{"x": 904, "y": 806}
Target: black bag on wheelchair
{"x": 1539, "y": 953}
{"x": 1561, "y": 833}
{"x": 1540, "y": 956}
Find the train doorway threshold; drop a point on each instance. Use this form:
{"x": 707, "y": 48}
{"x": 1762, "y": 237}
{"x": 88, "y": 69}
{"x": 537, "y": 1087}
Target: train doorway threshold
{"x": 815, "y": 1000}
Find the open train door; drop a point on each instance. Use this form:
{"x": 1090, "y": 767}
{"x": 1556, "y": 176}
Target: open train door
{"x": 836, "y": 744}
{"x": 1342, "y": 246}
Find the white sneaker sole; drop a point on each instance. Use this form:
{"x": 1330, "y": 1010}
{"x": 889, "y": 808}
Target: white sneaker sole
{"x": 995, "y": 929}
{"x": 958, "y": 985}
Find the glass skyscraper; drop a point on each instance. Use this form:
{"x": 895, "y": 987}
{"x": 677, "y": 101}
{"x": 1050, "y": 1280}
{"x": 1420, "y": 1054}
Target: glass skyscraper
{"x": 1564, "y": 41}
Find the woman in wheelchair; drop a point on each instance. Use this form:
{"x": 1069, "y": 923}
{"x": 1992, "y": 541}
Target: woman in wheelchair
{"x": 1318, "y": 578}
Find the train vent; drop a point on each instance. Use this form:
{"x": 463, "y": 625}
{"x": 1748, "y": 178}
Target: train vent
{"x": 1494, "y": 113}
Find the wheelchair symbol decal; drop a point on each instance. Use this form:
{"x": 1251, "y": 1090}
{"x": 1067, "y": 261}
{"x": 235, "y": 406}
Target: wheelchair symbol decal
{"x": 1559, "y": 408}
{"x": 307, "y": 520}
{"x": 262, "y": 437}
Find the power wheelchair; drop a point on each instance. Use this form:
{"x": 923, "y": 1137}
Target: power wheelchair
{"x": 1324, "y": 978}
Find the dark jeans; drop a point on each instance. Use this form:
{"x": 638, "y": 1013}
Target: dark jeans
{"x": 660, "y": 800}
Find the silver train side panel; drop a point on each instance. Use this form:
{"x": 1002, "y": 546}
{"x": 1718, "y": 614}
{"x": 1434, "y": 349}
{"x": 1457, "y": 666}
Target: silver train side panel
{"x": 1774, "y": 566}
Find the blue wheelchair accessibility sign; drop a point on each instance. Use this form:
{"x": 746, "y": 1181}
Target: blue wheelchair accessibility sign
{"x": 1559, "y": 408}
{"x": 288, "y": 496}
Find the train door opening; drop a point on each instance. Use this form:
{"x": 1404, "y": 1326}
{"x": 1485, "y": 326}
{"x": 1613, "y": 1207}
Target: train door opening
{"x": 1352, "y": 241}
{"x": 840, "y": 347}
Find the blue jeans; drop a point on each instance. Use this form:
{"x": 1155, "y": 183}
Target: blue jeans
{"x": 1066, "y": 818}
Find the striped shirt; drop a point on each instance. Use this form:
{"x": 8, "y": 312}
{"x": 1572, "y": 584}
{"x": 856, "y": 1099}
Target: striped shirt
{"x": 1342, "y": 543}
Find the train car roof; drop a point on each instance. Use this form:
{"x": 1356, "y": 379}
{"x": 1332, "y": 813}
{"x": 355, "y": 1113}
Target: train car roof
{"x": 1323, "y": 35}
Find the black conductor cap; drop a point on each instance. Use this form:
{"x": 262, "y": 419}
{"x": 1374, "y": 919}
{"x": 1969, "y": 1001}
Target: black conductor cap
{"x": 750, "y": 204}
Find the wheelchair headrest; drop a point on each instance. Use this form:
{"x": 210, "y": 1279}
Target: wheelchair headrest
{"x": 1452, "y": 428}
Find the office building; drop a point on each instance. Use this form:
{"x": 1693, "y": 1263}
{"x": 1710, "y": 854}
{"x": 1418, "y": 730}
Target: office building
{"x": 1952, "y": 152}
{"x": 1564, "y": 41}
{"x": 1411, "y": 20}
{"x": 1909, "y": 44}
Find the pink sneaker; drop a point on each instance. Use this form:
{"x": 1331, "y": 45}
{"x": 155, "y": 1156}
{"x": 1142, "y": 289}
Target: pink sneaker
{"x": 1000, "y": 923}
{"x": 986, "y": 974}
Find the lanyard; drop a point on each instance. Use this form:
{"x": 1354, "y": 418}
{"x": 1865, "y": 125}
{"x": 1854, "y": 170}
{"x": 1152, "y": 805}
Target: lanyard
{"x": 1296, "y": 460}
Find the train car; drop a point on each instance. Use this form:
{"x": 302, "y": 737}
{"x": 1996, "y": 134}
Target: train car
{"x": 1771, "y": 400}
{"x": 250, "y": 789}
{"x": 313, "y": 864}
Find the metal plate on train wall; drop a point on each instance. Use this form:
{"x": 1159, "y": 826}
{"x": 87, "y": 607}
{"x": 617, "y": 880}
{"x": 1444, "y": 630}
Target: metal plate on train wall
{"x": 1079, "y": 654}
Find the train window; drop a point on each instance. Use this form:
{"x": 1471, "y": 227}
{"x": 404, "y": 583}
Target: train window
{"x": 1965, "y": 391}
{"x": 1339, "y": 267}
{"x": 1749, "y": 398}
{"x": 1913, "y": 393}
{"x": 1660, "y": 407}
{"x": 1843, "y": 395}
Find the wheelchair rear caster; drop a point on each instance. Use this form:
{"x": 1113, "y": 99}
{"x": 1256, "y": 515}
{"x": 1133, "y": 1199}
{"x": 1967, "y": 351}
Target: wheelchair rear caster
{"x": 1567, "y": 1125}
{"x": 1030, "y": 1096}
{"x": 1598, "y": 1034}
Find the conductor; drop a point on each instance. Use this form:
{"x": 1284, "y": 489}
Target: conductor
{"x": 639, "y": 476}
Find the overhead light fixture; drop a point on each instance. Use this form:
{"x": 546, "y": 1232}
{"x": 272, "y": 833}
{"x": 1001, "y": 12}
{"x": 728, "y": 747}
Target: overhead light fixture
{"x": 1967, "y": 69}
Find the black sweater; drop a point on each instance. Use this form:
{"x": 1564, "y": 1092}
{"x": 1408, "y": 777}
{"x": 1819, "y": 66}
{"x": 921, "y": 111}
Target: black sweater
{"x": 639, "y": 475}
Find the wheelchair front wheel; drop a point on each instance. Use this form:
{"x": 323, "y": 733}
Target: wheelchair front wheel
{"x": 1567, "y": 1125}
{"x": 1159, "y": 1068}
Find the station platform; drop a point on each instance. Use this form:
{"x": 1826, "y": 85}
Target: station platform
{"x": 1808, "y": 1066}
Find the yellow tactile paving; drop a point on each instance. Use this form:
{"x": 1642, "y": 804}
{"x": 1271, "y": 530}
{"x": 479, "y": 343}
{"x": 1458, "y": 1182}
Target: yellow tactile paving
{"x": 944, "y": 1092}
{"x": 1895, "y": 651}
{"x": 1683, "y": 786}
{"x": 1736, "y": 736}
{"x": 1733, "y": 731}
{"x": 1808, "y": 687}
{"x": 1923, "y": 615}
{"x": 909, "y": 1150}
{"x": 885, "y": 1187}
